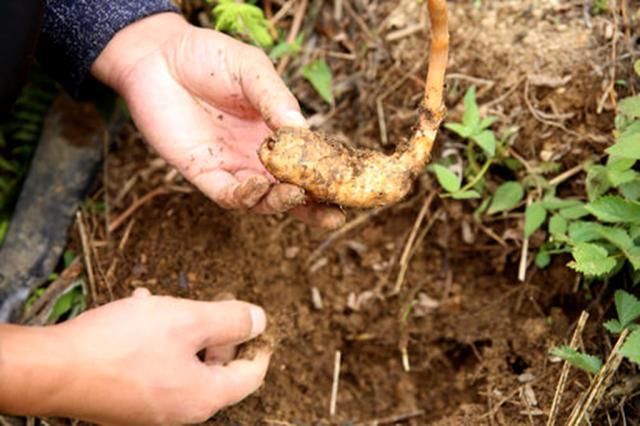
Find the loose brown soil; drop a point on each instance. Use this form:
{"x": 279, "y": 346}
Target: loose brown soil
{"x": 476, "y": 338}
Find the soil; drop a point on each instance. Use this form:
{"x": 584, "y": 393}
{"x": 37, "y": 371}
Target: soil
{"x": 476, "y": 338}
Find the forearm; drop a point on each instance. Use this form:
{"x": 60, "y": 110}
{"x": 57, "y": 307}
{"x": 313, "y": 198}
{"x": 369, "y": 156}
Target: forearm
{"x": 33, "y": 370}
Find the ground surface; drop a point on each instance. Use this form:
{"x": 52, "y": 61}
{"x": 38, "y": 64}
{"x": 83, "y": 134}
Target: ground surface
{"x": 476, "y": 338}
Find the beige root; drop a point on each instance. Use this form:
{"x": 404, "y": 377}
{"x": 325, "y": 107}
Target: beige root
{"x": 334, "y": 173}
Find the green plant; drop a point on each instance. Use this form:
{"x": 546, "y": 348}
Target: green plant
{"x": 284, "y": 48}
{"x": 603, "y": 234}
{"x": 319, "y": 75}
{"x": 483, "y": 150}
{"x": 600, "y": 6}
{"x": 628, "y": 311}
{"x": 244, "y": 20}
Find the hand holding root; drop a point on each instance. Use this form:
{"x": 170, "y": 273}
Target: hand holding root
{"x": 334, "y": 173}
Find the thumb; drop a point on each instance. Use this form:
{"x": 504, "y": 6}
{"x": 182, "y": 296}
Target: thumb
{"x": 267, "y": 93}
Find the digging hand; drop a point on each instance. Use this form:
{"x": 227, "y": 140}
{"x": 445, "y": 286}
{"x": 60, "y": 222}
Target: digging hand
{"x": 133, "y": 361}
{"x": 206, "y": 102}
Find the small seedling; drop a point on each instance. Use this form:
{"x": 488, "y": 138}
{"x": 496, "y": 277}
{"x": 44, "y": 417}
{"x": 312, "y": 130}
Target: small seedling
{"x": 589, "y": 363}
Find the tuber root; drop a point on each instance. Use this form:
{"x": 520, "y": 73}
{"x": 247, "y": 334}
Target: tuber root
{"x": 335, "y": 173}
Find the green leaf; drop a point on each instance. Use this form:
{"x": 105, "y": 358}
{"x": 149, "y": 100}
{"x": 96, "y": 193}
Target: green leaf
{"x": 558, "y": 225}
{"x": 630, "y": 106}
{"x": 597, "y": 181}
{"x": 627, "y": 307}
{"x": 575, "y": 212}
{"x": 243, "y": 18}
{"x": 631, "y": 190}
{"x": 554, "y": 203}
{"x": 320, "y": 77}
{"x": 285, "y": 49}
{"x": 466, "y": 195}
{"x": 487, "y": 141}
{"x": 68, "y": 257}
{"x": 70, "y": 303}
{"x": 618, "y": 178}
{"x": 586, "y": 362}
{"x": 613, "y": 326}
{"x": 447, "y": 179}
{"x": 615, "y": 209}
{"x": 4, "y": 226}
{"x": 471, "y": 116}
{"x": 534, "y": 217}
{"x": 485, "y": 123}
{"x": 631, "y": 347}
{"x": 584, "y": 232}
{"x": 459, "y": 129}
{"x": 591, "y": 259}
{"x": 626, "y": 147}
{"x": 543, "y": 259}
{"x": 507, "y": 196}
{"x": 636, "y": 67}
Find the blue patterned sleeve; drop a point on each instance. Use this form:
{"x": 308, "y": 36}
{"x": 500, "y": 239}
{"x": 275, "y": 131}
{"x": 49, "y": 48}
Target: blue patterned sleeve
{"x": 74, "y": 32}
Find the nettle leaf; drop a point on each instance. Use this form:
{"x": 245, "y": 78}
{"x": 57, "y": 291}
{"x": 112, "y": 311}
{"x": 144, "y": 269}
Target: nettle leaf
{"x": 283, "y": 48}
{"x": 507, "y": 196}
{"x": 627, "y": 307}
{"x": 586, "y": 362}
{"x": 487, "y": 141}
{"x": 550, "y": 202}
{"x": 615, "y": 209}
{"x": 631, "y": 348}
{"x": 631, "y": 190}
{"x": 471, "y": 115}
{"x": 583, "y": 232}
{"x": 534, "y": 217}
{"x": 613, "y": 326}
{"x": 466, "y": 195}
{"x": 486, "y": 122}
{"x": 459, "y": 129}
{"x": 591, "y": 259}
{"x": 319, "y": 75}
{"x": 558, "y": 225}
{"x": 576, "y": 212}
{"x": 543, "y": 258}
{"x": 597, "y": 182}
{"x": 447, "y": 179}
{"x": 626, "y": 147}
{"x": 630, "y": 106}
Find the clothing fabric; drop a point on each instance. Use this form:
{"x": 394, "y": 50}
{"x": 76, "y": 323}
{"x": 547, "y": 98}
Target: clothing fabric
{"x": 74, "y": 32}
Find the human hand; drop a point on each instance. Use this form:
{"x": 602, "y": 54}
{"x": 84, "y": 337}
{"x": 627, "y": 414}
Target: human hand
{"x": 134, "y": 362}
{"x": 206, "y": 102}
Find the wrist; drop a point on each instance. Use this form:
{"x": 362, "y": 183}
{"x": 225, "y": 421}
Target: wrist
{"x": 34, "y": 370}
{"x": 134, "y": 43}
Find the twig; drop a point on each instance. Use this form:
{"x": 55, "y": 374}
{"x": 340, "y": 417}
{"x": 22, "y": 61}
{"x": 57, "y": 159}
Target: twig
{"x": 562, "y": 381}
{"x": 115, "y": 224}
{"x": 334, "y": 386}
{"x": 382, "y": 122}
{"x": 406, "y": 254}
{"x": 86, "y": 249}
{"x": 566, "y": 175}
{"x": 599, "y": 384}
{"x": 281, "y": 13}
{"x": 524, "y": 253}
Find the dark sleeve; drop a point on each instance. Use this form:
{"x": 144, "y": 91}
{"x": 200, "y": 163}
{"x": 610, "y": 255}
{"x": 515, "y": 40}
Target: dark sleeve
{"x": 74, "y": 32}
{"x": 19, "y": 25}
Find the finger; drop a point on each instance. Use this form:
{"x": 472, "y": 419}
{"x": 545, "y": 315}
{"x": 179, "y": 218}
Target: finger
{"x": 230, "y": 384}
{"x": 220, "y": 186}
{"x": 226, "y": 323}
{"x": 321, "y": 216}
{"x": 281, "y": 197}
{"x": 141, "y": 292}
{"x": 251, "y": 190}
{"x": 265, "y": 90}
{"x": 220, "y": 355}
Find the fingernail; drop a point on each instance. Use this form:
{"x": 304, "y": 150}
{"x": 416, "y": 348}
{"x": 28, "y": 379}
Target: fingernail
{"x": 258, "y": 320}
{"x": 294, "y": 119}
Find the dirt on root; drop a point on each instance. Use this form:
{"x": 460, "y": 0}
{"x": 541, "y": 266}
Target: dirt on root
{"x": 463, "y": 342}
